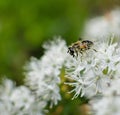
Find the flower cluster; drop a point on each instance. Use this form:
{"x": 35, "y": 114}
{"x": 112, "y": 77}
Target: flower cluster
{"x": 42, "y": 75}
{"x": 18, "y": 100}
{"x": 42, "y": 80}
{"x": 93, "y": 72}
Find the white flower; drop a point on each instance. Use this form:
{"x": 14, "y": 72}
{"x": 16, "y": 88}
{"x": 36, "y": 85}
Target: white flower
{"x": 18, "y": 100}
{"x": 42, "y": 75}
{"x": 93, "y": 72}
{"x": 107, "y": 106}
{"x": 103, "y": 26}
{"x": 109, "y": 103}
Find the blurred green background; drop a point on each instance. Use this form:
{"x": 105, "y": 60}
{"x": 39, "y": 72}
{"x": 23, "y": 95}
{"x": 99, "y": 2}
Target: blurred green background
{"x": 26, "y": 24}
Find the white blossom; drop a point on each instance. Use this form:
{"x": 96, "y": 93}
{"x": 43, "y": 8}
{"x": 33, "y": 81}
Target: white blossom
{"x": 18, "y": 100}
{"x": 109, "y": 103}
{"x": 103, "y": 26}
{"x": 42, "y": 75}
{"x": 93, "y": 72}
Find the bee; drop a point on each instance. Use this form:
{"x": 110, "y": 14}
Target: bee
{"x": 79, "y": 47}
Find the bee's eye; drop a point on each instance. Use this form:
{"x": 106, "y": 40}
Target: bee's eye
{"x": 71, "y": 51}
{"x": 70, "y": 48}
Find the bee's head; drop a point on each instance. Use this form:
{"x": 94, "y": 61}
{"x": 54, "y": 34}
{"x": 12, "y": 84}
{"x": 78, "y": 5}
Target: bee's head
{"x": 71, "y": 51}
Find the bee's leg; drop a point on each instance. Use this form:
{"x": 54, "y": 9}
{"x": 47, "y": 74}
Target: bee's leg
{"x": 76, "y": 54}
{"x": 73, "y": 55}
{"x": 81, "y": 52}
{"x": 95, "y": 50}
